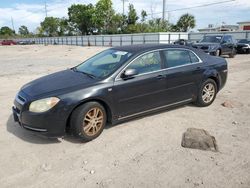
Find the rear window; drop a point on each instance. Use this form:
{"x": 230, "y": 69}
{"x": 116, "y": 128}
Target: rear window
{"x": 175, "y": 58}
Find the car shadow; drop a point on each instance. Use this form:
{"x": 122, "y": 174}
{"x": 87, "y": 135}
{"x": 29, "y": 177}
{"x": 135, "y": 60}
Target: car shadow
{"x": 27, "y": 136}
{"x": 158, "y": 112}
{"x": 31, "y": 137}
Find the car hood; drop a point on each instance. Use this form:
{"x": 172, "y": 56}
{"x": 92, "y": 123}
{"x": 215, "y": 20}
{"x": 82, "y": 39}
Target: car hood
{"x": 59, "y": 81}
{"x": 206, "y": 44}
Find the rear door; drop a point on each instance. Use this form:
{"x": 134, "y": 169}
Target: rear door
{"x": 184, "y": 73}
{"x": 145, "y": 90}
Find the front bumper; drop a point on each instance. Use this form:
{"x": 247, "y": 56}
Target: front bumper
{"x": 51, "y": 123}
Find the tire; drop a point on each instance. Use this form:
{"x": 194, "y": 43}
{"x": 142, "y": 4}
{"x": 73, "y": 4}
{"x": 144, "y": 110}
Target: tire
{"x": 217, "y": 53}
{"x": 203, "y": 96}
{"x": 232, "y": 54}
{"x": 88, "y": 121}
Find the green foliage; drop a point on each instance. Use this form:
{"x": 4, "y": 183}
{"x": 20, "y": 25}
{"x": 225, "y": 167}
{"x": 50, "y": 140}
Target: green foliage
{"x": 50, "y": 26}
{"x": 81, "y": 18}
{"x": 185, "y": 23}
{"x": 101, "y": 18}
{"x": 132, "y": 15}
{"x": 23, "y": 30}
{"x": 105, "y": 15}
{"x": 6, "y": 32}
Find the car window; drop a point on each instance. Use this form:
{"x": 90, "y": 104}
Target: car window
{"x": 104, "y": 63}
{"x": 177, "y": 58}
{"x": 147, "y": 63}
{"x": 227, "y": 39}
{"x": 193, "y": 57}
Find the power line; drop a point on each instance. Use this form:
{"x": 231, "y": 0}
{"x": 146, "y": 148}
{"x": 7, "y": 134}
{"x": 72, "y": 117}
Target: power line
{"x": 12, "y": 23}
{"x": 123, "y": 6}
{"x": 198, "y": 6}
{"x": 45, "y": 7}
{"x": 164, "y": 10}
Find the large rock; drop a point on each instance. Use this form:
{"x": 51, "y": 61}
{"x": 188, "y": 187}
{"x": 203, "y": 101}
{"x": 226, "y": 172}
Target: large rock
{"x": 198, "y": 139}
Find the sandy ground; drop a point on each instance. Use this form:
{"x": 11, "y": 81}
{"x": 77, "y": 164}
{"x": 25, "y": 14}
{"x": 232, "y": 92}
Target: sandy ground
{"x": 145, "y": 152}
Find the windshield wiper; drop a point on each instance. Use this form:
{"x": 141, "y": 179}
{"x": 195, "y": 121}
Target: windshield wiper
{"x": 88, "y": 74}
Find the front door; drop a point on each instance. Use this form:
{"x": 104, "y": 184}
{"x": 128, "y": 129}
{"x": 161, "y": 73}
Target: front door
{"x": 144, "y": 91}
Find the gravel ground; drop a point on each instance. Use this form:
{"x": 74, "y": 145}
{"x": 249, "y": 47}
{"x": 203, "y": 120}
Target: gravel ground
{"x": 145, "y": 152}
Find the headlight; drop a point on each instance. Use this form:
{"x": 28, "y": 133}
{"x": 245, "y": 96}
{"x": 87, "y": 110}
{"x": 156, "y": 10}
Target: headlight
{"x": 212, "y": 47}
{"x": 43, "y": 105}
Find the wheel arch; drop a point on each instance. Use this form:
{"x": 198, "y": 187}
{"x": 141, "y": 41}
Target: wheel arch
{"x": 101, "y": 101}
{"x": 214, "y": 75}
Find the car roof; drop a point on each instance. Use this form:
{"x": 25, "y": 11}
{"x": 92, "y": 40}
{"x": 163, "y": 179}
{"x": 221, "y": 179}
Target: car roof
{"x": 138, "y": 48}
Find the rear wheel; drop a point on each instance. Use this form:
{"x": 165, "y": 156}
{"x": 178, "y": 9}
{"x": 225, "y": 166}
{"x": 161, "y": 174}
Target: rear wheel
{"x": 88, "y": 120}
{"x": 207, "y": 93}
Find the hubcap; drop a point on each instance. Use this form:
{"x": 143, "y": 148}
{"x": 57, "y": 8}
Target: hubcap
{"x": 93, "y": 121}
{"x": 208, "y": 93}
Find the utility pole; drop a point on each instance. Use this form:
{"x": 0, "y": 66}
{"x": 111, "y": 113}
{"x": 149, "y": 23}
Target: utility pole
{"x": 123, "y": 6}
{"x": 12, "y": 22}
{"x": 45, "y": 8}
{"x": 163, "y": 10}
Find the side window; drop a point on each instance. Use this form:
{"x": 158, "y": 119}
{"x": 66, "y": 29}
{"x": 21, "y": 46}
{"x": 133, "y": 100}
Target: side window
{"x": 147, "y": 63}
{"x": 177, "y": 58}
{"x": 193, "y": 57}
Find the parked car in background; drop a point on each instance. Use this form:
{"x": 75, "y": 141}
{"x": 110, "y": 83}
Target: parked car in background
{"x": 116, "y": 85}
{"x": 243, "y": 46}
{"x": 217, "y": 45}
{"x": 8, "y": 42}
{"x": 25, "y": 42}
{"x": 183, "y": 42}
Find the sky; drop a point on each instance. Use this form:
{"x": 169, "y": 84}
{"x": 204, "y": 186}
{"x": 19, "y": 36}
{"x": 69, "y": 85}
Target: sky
{"x": 32, "y": 12}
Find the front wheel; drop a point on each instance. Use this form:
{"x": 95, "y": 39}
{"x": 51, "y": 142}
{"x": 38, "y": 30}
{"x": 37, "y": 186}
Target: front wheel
{"x": 88, "y": 121}
{"x": 232, "y": 54}
{"x": 207, "y": 93}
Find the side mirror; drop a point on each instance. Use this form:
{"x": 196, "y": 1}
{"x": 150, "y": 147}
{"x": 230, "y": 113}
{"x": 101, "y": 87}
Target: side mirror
{"x": 129, "y": 73}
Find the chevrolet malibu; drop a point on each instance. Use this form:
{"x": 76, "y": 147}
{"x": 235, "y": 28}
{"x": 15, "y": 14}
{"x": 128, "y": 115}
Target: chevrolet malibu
{"x": 116, "y": 85}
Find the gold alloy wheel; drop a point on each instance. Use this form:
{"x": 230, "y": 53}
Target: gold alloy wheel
{"x": 208, "y": 93}
{"x": 93, "y": 121}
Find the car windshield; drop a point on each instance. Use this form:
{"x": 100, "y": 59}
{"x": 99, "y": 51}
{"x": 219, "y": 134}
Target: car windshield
{"x": 244, "y": 41}
{"x": 104, "y": 63}
{"x": 213, "y": 39}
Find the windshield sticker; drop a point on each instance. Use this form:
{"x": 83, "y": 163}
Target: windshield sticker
{"x": 120, "y": 53}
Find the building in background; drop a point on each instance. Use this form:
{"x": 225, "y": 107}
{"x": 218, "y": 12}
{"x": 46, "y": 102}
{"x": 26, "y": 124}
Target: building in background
{"x": 245, "y": 26}
{"x": 222, "y": 27}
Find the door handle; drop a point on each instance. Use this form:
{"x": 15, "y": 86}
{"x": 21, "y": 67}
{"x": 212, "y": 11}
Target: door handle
{"x": 160, "y": 77}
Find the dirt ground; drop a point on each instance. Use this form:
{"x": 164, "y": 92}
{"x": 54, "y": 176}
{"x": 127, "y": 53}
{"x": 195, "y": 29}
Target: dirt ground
{"x": 144, "y": 152}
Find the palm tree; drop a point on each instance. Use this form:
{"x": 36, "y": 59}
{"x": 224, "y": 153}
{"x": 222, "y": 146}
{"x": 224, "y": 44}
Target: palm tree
{"x": 186, "y": 22}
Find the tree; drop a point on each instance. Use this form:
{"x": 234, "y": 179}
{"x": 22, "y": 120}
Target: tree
{"x": 132, "y": 15}
{"x": 186, "y": 22}
{"x": 50, "y": 26}
{"x": 23, "y": 30}
{"x": 143, "y": 16}
{"x": 104, "y": 15}
{"x": 6, "y": 31}
{"x": 81, "y": 17}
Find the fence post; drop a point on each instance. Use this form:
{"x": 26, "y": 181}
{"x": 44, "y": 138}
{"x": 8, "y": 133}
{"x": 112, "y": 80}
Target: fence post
{"x": 132, "y": 39}
{"x": 76, "y": 41}
{"x": 120, "y": 40}
{"x": 144, "y": 38}
{"x": 71, "y": 42}
{"x": 95, "y": 40}
{"x": 102, "y": 40}
{"x": 169, "y": 38}
{"x": 82, "y": 40}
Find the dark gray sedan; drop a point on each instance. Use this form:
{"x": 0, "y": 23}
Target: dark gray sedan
{"x": 116, "y": 85}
